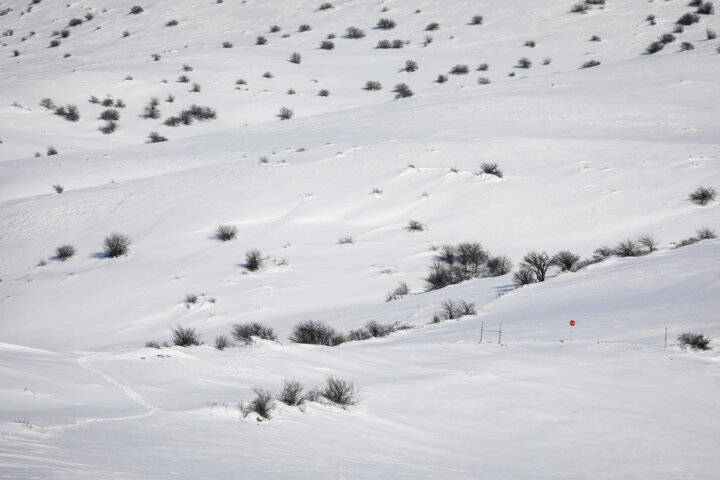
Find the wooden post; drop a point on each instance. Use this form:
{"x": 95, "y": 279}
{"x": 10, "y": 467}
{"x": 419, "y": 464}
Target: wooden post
{"x": 500, "y": 334}
{"x": 481, "y": 331}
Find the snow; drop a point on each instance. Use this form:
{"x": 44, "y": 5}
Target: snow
{"x": 590, "y": 157}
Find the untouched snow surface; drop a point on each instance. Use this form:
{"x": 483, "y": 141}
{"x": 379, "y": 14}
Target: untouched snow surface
{"x": 590, "y": 157}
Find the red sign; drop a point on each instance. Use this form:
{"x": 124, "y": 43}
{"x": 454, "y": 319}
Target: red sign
{"x": 572, "y": 323}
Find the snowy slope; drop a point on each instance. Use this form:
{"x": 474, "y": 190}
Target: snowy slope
{"x": 590, "y": 157}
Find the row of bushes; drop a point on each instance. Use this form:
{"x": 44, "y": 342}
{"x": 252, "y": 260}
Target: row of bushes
{"x": 535, "y": 265}
{"x": 336, "y": 391}
{"x": 313, "y": 332}
{"x": 455, "y": 264}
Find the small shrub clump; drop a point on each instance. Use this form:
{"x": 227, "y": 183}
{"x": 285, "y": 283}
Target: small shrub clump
{"x": 491, "y": 169}
{"x": 315, "y": 332}
{"x": 185, "y": 337}
{"x": 135, "y": 10}
{"x": 254, "y": 260}
{"x": 243, "y": 332}
{"x": 327, "y": 45}
{"x": 116, "y": 245}
{"x": 226, "y": 232}
{"x": 696, "y": 341}
{"x": 702, "y": 195}
{"x": 285, "y": 113}
{"x": 400, "y": 291}
{"x": 590, "y": 64}
{"x": 262, "y": 404}
{"x": 402, "y": 90}
{"x": 292, "y": 393}
{"x": 155, "y": 137}
{"x": 385, "y": 24}
{"x": 688, "y": 19}
{"x": 411, "y": 66}
{"x": 65, "y": 252}
{"x": 460, "y": 70}
{"x": 222, "y": 342}
{"x": 476, "y": 20}
{"x": 373, "y": 85}
{"x": 354, "y": 33}
{"x": 340, "y": 392}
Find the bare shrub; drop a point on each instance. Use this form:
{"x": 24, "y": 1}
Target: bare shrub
{"x": 688, "y": 19}
{"x": 327, "y": 45}
{"x": 325, "y": 6}
{"x": 524, "y": 62}
{"x": 411, "y": 66}
{"x": 116, "y": 245}
{"x": 324, "y": 93}
{"x": 705, "y": 233}
{"x": 292, "y": 393}
{"x": 354, "y": 33}
{"x": 135, "y": 10}
{"x": 580, "y": 8}
{"x": 260, "y": 40}
{"x": 262, "y": 404}
{"x": 254, "y": 260}
{"x": 340, "y": 392}
{"x": 628, "y": 248}
{"x": 460, "y": 70}
{"x": 110, "y": 114}
{"x": 385, "y": 24}
{"x": 58, "y": 188}
{"x": 304, "y": 28}
{"x": 432, "y": 26}
{"x": 706, "y": 8}
{"x": 476, "y": 20}
{"x": 295, "y": 58}
{"x": 498, "y": 265}
{"x": 649, "y": 242}
{"x": 703, "y": 195}
{"x": 523, "y": 276}
{"x": 243, "y": 332}
{"x": 654, "y": 47}
{"x": 415, "y": 226}
{"x": 696, "y": 341}
{"x": 313, "y": 332}
{"x": 538, "y": 263}
{"x": 222, "y": 342}
{"x": 155, "y": 137}
{"x": 64, "y": 252}
{"x": 711, "y": 34}
{"x": 590, "y": 64}
{"x": 373, "y": 85}
{"x": 285, "y": 113}
{"x": 402, "y": 91}
{"x": 346, "y": 240}
{"x": 109, "y": 127}
{"x": 491, "y": 169}
{"x": 52, "y": 150}
{"x": 400, "y": 291}
{"x": 185, "y": 337}
{"x": 565, "y": 260}
{"x": 69, "y": 113}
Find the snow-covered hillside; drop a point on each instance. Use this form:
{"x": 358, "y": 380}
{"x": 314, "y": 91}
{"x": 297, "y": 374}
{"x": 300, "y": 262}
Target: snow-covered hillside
{"x": 590, "y": 157}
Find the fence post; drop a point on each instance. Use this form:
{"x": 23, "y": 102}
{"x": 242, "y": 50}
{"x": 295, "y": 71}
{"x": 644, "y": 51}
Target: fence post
{"x": 500, "y": 334}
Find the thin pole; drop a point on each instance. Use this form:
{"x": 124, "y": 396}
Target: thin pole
{"x": 481, "y": 330}
{"x": 500, "y": 334}
{"x": 572, "y": 329}
{"x": 665, "y": 337}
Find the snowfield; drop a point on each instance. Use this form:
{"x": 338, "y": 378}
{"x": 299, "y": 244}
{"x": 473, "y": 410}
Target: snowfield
{"x": 590, "y": 157}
